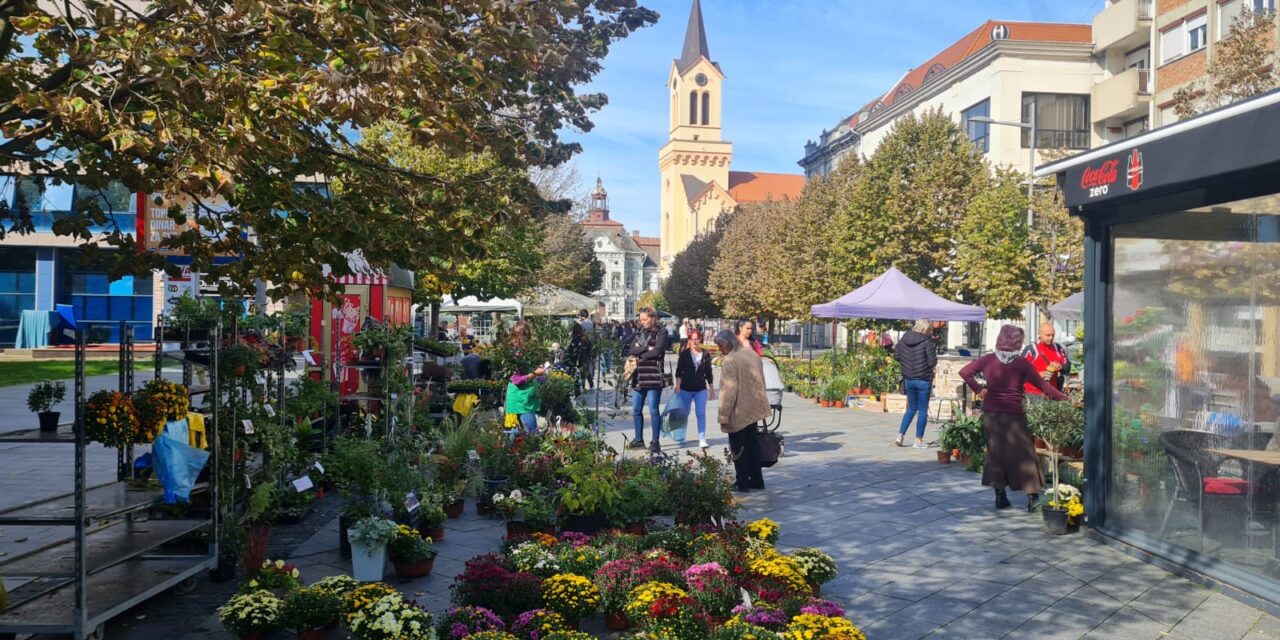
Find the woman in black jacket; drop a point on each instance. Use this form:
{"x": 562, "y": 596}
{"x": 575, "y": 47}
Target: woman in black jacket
{"x": 918, "y": 357}
{"x": 649, "y": 347}
{"x": 694, "y": 381}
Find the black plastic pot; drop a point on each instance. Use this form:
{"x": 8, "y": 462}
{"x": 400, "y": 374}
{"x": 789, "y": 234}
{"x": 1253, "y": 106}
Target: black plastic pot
{"x": 588, "y": 523}
{"x": 224, "y": 572}
{"x": 48, "y": 421}
{"x": 1055, "y": 521}
{"x": 344, "y": 545}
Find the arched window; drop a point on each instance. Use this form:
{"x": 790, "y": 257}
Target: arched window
{"x": 903, "y": 90}
{"x": 706, "y": 107}
{"x": 933, "y": 72}
{"x": 693, "y": 107}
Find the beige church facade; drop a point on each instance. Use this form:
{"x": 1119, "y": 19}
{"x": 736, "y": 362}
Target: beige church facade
{"x": 697, "y": 183}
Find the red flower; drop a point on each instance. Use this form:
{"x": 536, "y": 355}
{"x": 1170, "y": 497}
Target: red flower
{"x": 1128, "y": 320}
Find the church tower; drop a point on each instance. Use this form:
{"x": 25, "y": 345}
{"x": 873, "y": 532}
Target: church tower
{"x": 695, "y": 160}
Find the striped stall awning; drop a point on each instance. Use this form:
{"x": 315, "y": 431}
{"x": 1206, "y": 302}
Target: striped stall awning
{"x": 361, "y": 271}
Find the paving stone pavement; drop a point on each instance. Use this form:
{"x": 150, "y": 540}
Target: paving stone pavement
{"x": 922, "y": 553}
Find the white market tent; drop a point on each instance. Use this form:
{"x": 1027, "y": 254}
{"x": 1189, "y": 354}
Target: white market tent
{"x": 472, "y": 304}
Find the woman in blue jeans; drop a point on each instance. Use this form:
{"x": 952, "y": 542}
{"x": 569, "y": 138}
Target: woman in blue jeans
{"x": 918, "y": 357}
{"x": 694, "y": 381}
{"x": 649, "y": 346}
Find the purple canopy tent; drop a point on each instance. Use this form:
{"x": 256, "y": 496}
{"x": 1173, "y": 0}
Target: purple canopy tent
{"x": 894, "y": 296}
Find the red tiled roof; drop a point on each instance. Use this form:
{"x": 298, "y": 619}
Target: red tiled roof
{"x": 646, "y": 241}
{"x": 601, "y": 223}
{"x": 758, "y": 186}
{"x": 971, "y": 44}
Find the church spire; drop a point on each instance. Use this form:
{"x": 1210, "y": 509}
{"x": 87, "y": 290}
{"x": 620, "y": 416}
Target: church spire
{"x": 695, "y": 38}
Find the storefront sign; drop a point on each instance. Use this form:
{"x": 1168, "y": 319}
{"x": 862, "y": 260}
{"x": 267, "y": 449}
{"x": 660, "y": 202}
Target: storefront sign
{"x": 184, "y": 284}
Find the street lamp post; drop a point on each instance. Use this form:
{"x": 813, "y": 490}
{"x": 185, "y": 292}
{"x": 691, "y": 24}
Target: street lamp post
{"x": 1031, "y": 311}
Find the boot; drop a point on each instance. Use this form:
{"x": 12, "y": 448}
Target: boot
{"x": 1033, "y": 502}
{"x": 1002, "y": 499}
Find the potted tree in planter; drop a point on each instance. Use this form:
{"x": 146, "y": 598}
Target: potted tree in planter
{"x": 309, "y": 612}
{"x": 44, "y": 396}
{"x": 369, "y": 540}
{"x": 412, "y": 555}
{"x": 1057, "y": 423}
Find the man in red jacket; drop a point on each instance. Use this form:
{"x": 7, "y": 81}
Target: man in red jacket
{"x": 1049, "y": 359}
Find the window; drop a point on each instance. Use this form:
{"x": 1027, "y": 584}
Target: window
{"x": 1138, "y": 58}
{"x": 615, "y": 281}
{"x": 693, "y": 107}
{"x": 17, "y": 289}
{"x": 706, "y": 107}
{"x": 979, "y": 132}
{"x": 1197, "y": 30}
{"x": 1062, "y": 120}
{"x": 1228, "y": 13}
{"x": 933, "y": 72}
{"x": 1172, "y": 45}
{"x": 1135, "y": 127}
{"x": 101, "y": 301}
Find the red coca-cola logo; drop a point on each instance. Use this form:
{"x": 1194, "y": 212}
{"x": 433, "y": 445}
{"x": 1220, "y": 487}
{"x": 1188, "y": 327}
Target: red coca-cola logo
{"x": 1135, "y": 172}
{"x": 1103, "y": 175}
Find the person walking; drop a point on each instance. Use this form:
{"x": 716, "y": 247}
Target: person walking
{"x": 918, "y": 357}
{"x": 684, "y": 334}
{"x": 746, "y": 330}
{"x": 1011, "y": 452}
{"x": 694, "y": 381}
{"x": 649, "y": 347}
{"x": 578, "y": 356}
{"x": 523, "y": 401}
{"x": 1049, "y": 358}
{"x": 743, "y": 404}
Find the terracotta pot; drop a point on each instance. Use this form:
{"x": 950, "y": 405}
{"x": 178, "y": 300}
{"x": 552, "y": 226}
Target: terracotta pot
{"x": 636, "y": 528}
{"x": 517, "y": 529}
{"x": 615, "y": 621}
{"x": 435, "y": 533}
{"x": 944, "y": 457}
{"x": 313, "y": 634}
{"x": 414, "y": 569}
{"x": 454, "y": 510}
{"x": 1072, "y": 452}
{"x": 825, "y": 404}
{"x": 955, "y": 453}
{"x": 839, "y": 404}
{"x": 1040, "y": 444}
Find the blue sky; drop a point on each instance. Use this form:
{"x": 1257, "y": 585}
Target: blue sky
{"x": 833, "y": 55}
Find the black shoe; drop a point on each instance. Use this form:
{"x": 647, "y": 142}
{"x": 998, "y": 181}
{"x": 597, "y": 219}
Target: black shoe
{"x": 1033, "y": 502}
{"x": 1002, "y": 499}
{"x": 636, "y": 444}
{"x": 654, "y": 447}
{"x": 737, "y": 488}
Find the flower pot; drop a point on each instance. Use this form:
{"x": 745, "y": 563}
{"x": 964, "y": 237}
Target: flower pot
{"x": 616, "y": 621}
{"x": 825, "y": 404}
{"x": 839, "y": 404}
{"x": 367, "y": 564}
{"x": 48, "y": 421}
{"x": 588, "y": 523}
{"x": 1071, "y": 452}
{"x": 1055, "y": 521}
{"x": 517, "y": 529}
{"x": 454, "y": 510}
{"x": 435, "y": 533}
{"x": 817, "y": 590}
{"x": 313, "y": 634}
{"x": 224, "y": 572}
{"x": 944, "y": 457}
{"x": 636, "y": 528}
{"x": 1041, "y": 444}
{"x": 414, "y": 569}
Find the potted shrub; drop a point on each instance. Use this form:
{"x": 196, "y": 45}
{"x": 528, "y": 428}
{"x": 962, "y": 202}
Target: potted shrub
{"x": 412, "y": 555}
{"x": 44, "y": 396}
{"x": 947, "y": 441}
{"x": 310, "y": 612}
{"x": 431, "y": 520}
{"x": 369, "y": 538}
{"x": 591, "y": 489}
{"x": 251, "y": 615}
{"x": 1057, "y": 423}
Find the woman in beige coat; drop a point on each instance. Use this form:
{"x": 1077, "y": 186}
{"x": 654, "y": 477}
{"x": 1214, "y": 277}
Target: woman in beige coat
{"x": 743, "y": 404}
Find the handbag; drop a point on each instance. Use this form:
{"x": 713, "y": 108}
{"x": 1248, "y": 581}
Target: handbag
{"x": 629, "y": 368}
{"x": 770, "y": 446}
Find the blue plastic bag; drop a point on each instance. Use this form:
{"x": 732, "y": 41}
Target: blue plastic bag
{"x": 177, "y": 464}
{"x": 675, "y": 417}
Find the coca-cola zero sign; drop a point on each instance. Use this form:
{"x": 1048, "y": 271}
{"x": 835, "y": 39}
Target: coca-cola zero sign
{"x": 1098, "y": 180}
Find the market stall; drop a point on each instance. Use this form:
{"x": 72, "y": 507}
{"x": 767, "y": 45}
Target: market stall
{"x": 1182, "y": 314}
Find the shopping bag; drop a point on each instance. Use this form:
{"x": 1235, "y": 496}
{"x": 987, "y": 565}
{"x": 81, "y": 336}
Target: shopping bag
{"x": 177, "y": 464}
{"x": 675, "y": 417}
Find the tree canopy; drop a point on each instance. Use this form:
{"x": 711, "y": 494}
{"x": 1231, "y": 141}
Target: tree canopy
{"x": 1243, "y": 65}
{"x": 685, "y": 288}
{"x": 221, "y": 105}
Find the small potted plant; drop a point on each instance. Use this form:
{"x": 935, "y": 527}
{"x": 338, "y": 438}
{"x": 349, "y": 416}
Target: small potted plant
{"x": 310, "y": 611}
{"x": 275, "y": 576}
{"x": 462, "y": 622}
{"x": 251, "y": 615}
{"x": 412, "y": 555}
{"x": 44, "y": 396}
{"x": 431, "y": 520}
{"x": 369, "y": 538}
{"x": 572, "y": 596}
{"x": 511, "y": 506}
{"x": 947, "y": 441}
{"x": 819, "y": 567}
{"x": 1057, "y": 423}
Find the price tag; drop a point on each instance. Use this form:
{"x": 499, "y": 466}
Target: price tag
{"x": 309, "y": 357}
{"x": 271, "y": 411}
{"x": 393, "y": 397}
{"x": 248, "y": 426}
{"x": 473, "y": 455}
{"x": 318, "y": 467}
{"x": 302, "y": 484}
{"x": 746, "y": 597}
{"x": 411, "y": 503}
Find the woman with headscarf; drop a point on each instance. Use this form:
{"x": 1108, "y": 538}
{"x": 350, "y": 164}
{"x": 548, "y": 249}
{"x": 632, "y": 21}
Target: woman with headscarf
{"x": 743, "y": 404}
{"x": 522, "y": 401}
{"x": 1011, "y": 452}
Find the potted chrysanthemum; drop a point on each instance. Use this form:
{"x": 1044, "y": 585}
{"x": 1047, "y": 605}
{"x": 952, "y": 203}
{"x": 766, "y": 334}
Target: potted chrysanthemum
{"x": 310, "y": 611}
{"x": 251, "y": 615}
{"x": 412, "y": 555}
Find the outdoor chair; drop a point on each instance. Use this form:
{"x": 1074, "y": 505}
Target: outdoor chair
{"x": 1198, "y": 484}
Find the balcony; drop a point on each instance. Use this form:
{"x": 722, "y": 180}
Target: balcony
{"x": 1122, "y": 97}
{"x": 1122, "y": 25}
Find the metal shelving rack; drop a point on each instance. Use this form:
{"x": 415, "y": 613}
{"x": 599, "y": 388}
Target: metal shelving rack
{"x": 111, "y": 560}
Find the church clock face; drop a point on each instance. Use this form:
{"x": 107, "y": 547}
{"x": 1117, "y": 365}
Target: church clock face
{"x": 701, "y": 79}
